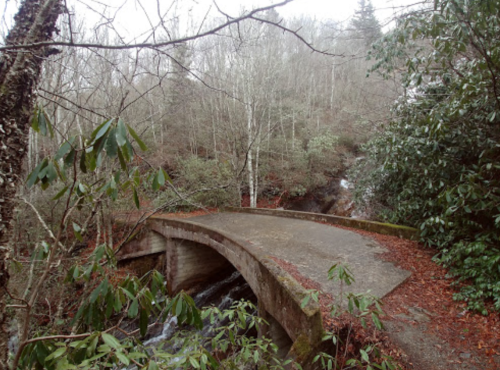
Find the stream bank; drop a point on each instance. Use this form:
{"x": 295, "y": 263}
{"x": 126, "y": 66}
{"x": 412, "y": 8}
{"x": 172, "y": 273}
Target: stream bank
{"x": 334, "y": 198}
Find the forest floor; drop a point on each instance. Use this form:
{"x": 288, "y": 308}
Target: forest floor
{"x": 445, "y": 334}
{"x": 422, "y": 311}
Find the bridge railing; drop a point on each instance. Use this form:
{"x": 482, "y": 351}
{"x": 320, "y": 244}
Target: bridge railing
{"x": 404, "y": 232}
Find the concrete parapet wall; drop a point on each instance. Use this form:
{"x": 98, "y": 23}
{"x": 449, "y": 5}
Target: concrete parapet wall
{"x": 404, "y": 232}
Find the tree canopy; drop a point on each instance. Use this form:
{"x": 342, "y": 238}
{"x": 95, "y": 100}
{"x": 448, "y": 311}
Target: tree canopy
{"x": 366, "y": 25}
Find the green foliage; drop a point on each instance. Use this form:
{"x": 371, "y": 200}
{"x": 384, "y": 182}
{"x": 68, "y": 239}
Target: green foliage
{"x": 311, "y": 294}
{"x": 228, "y": 338}
{"x": 99, "y": 335}
{"x": 231, "y": 338}
{"x": 302, "y": 167}
{"x": 341, "y": 273}
{"x": 108, "y": 303}
{"x": 111, "y": 301}
{"x": 289, "y": 171}
{"x": 140, "y": 298}
{"x": 71, "y": 160}
{"x": 437, "y": 165}
{"x": 208, "y": 178}
{"x": 105, "y": 349}
{"x": 322, "y": 153}
{"x": 359, "y": 306}
{"x": 41, "y": 123}
{"x": 169, "y": 201}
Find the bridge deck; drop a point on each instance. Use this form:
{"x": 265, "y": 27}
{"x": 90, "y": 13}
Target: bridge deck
{"x": 313, "y": 248}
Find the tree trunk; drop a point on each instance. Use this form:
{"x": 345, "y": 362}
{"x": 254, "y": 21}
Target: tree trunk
{"x": 19, "y": 74}
{"x": 249, "y": 111}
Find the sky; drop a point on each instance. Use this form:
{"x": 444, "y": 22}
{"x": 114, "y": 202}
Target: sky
{"x": 339, "y": 10}
{"x": 132, "y": 20}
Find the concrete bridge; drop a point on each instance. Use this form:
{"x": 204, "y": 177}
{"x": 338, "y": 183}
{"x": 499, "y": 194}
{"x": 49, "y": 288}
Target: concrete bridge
{"x": 191, "y": 251}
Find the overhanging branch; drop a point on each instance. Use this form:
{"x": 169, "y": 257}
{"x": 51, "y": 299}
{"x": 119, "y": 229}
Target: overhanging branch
{"x": 155, "y": 45}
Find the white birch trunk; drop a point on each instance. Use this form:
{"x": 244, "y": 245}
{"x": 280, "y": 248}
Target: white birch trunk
{"x": 215, "y": 118}
{"x": 256, "y": 172}
{"x": 253, "y": 201}
{"x": 332, "y": 91}
{"x": 268, "y": 130}
{"x": 151, "y": 114}
{"x": 30, "y": 150}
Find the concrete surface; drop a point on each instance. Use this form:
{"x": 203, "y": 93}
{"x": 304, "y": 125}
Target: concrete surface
{"x": 190, "y": 263}
{"x": 313, "y": 248}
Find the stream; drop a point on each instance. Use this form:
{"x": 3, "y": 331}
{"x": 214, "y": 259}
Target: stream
{"x": 333, "y": 198}
{"x": 221, "y": 294}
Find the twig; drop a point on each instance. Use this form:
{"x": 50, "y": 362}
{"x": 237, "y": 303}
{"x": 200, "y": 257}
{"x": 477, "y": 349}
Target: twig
{"x": 30, "y": 279}
{"x": 15, "y": 298}
{"x": 52, "y": 337}
{"x": 47, "y": 229}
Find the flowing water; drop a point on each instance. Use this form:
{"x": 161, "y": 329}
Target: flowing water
{"x": 333, "y": 198}
{"x": 221, "y": 294}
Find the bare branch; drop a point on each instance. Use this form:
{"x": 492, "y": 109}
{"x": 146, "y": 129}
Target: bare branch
{"x": 44, "y": 225}
{"x": 151, "y": 45}
{"x": 297, "y": 35}
{"x": 80, "y": 107}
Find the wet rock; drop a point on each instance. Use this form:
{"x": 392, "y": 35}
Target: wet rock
{"x": 334, "y": 198}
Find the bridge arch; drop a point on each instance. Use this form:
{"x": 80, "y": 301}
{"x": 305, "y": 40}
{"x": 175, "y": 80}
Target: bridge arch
{"x": 187, "y": 258}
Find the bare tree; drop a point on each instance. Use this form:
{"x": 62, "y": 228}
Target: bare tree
{"x": 29, "y": 43}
